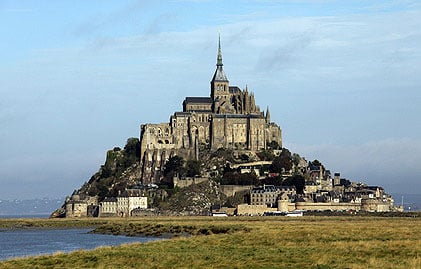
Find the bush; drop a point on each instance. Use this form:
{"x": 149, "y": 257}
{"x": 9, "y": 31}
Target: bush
{"x": 193, "y": 168}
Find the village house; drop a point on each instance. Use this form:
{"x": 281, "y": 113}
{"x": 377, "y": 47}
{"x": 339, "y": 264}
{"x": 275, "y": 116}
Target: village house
{"x": 269, "y": 195}
{"x": 87, "y": 206}
{"x": 129, "y": 200}
{"x": 108, "y": 207}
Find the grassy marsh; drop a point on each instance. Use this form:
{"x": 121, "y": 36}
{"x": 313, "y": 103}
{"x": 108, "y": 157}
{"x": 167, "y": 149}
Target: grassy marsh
{"x": 270, "y": 242}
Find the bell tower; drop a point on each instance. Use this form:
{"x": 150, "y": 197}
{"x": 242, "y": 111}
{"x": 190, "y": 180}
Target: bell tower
{"x": 219, "y": 84}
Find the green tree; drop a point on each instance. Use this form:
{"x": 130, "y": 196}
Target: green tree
{"x": 235, "y": 178}
{"x": 266, "y": 155}
{"x": 273, "y": 145}
{"x": 193, "y": 168}
{"x": 174, "y": 165}
{"x": 281, "y": 163}
{"x": 131, "y": 152}
{"x": 132, "y": 147}
{"x": 298, "y": 181}
{"x": 296, "y": 158}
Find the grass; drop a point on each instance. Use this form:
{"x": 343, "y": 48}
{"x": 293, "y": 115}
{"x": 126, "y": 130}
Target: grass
{"x": 270, "y": 242}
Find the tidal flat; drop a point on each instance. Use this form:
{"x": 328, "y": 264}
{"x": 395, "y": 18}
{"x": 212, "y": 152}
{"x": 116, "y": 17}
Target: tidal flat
{"x": 240, "y": 242}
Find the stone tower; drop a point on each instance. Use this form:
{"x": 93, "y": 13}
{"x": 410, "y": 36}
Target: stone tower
{"x": 219, "y": 84}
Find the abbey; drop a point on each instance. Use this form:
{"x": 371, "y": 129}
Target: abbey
{"x": 228, "y": 119}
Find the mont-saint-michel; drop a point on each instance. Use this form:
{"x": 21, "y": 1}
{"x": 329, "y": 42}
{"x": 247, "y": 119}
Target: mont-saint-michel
{"x": 220, "y": 155}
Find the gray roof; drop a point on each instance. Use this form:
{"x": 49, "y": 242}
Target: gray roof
{"x": 219, "y": 75}
{"x": 199, "y": 100}
{"x": 182, "y": 114}
{"x": 110, "y": 199}
{"x": 234, "y": 89}
{"x": 238, "y": 116}
{"x": 132, "y": 193}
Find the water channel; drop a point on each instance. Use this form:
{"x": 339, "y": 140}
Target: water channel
{"x": 30, "y": 242}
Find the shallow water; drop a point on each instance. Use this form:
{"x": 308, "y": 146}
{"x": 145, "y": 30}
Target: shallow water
{"x": 30, "y": 242}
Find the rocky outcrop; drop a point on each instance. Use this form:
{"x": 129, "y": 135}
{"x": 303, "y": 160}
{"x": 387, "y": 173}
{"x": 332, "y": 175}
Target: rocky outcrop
{"x": 120, "y": 171}
{"x": 195, "y": 199}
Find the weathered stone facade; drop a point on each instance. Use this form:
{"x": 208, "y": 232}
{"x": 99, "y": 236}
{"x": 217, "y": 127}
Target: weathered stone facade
{"x": 269, "y": 195}
{"x": 229, "y": 119}
{"x": 79, "y": 206}
{"x": 131, "y": 199}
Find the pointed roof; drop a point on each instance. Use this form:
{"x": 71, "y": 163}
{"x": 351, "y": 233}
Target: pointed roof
{"x": 267, "y": 114}
{"x": 219, "y": 72}
{"x": 219, "y": 58}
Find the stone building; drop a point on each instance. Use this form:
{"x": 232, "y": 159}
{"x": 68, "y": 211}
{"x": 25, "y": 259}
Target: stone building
{"x": 229, "y": 119}
{"x": 78, "y": 206}
{"x": 269, "y": 195}
{"x": 129, "y": 200}
{"x": 108, "y": 207}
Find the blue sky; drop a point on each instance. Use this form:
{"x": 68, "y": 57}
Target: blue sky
{"x": 342, "y": 79}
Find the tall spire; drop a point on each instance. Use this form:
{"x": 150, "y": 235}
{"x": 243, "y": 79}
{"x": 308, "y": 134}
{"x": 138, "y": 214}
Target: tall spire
{"x": 219, "y": 73}
{"x": 219, "y": 58}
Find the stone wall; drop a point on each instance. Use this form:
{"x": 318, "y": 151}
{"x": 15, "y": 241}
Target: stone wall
{"x": 285, "y": 206}
{"x": 375, "y": 205}
{"x": 185, "y": 182}
{"x": 327, "y": 206}
{"x": 249, "y": 210}
{"x": 230, "y": 190}
{"x": 76, "y": 209}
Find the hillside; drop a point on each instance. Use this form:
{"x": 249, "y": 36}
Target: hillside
{"x": 120, "y": 171}
{"x": 186, "y": 186}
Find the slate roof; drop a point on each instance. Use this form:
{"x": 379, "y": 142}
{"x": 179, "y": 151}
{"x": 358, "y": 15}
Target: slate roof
{"x": 110, "y": 199}
{"x": 182, "y": 114}
{"x": 198, "y": 100}
{"x": 239, "y": 116}
{"x": 220, "y": 75}
{"x": 234, "y": 89}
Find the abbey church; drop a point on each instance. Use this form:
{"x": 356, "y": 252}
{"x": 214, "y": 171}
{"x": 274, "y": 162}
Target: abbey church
{"x": 228, "y": 119}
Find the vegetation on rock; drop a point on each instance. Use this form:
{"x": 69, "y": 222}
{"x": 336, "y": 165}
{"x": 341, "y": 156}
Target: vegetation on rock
{"x": 120, "y": 171}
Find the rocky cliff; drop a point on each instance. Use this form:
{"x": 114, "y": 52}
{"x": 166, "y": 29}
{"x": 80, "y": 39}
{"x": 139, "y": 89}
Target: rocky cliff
{"x": 120, "y": 171}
